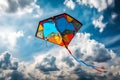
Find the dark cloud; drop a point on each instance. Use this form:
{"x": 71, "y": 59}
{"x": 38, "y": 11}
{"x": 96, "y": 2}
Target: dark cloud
{"x": 102, "y": 55}
{"x": 86, "y": 76}
{"x": 68, "y": 61}
{"x": 24, "y": 3}
{"x": 83, "y": 75}
{"x": 13, "y": 75}
{"x": 48, "y": 64}
{"x": 8, "y": 68}
{"x": 78, "y": 54}
{"x": 14, "y": 5}
{"x": 7, "y": 63}
{"x": 16, "y": 75}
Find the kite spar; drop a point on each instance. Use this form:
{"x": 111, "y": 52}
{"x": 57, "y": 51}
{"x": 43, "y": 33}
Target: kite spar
{"x": 60, "y": 30}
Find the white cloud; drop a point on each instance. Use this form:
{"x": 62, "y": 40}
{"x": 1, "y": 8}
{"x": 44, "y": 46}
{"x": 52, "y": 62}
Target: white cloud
{"x": 110, "y": 2}
{"x": 69, "y": 3}
{"x": 99, "y": 24}
{"x": 114, "y": 15}
{"x": 3, "y": 5}
{"x": 100, "y": 5}
{"x": 53, "y": 64}
{"x": 9, "y": 37}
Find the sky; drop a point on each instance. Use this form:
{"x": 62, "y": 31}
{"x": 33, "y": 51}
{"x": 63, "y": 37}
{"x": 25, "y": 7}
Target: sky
{"x": 25, "y": 57}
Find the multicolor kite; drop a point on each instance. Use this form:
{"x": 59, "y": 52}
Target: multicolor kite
{"x": 60, "y": 30}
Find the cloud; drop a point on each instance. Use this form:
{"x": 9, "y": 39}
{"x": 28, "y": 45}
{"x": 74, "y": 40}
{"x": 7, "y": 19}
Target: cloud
{"x": 89, "y": 48}
{"x": 69, "y": 3}
{"x": 100, "y": 5}
{"x": 14, "y": 75}
{"x": 48, "y": 64}
{"x": 20, "y": 7}
{"x": 9, "y": 68}
{"x": 9, "y": 37}
{"x": 86, "y": 49}
{"x": 98, "y": 23}
{"x": 56, "y": 64}
{"x": 6, "y": 62}
{"x": 68, "y": 61}
{"x": 3, "y": 5}
{"x": 114, "y": 15}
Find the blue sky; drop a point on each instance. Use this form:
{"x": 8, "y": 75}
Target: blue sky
{"x": 99, "y": 36}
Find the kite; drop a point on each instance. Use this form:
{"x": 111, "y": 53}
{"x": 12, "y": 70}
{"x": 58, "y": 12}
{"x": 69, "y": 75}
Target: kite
{"x": 60, "y": 30}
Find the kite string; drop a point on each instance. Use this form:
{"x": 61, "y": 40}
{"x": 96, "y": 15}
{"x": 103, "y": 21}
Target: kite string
{"x": 100, "y": 69}
{"x": 46, "y": 43}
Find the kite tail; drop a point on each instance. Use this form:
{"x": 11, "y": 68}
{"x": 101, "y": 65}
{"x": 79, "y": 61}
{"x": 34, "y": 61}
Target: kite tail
{"x": 99, "y": 69}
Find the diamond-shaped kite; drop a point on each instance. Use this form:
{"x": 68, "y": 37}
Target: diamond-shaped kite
{"x": 60, "y": 30}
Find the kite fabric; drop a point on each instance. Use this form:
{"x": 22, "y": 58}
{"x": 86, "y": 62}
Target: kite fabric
{"x": 60, "y": 30}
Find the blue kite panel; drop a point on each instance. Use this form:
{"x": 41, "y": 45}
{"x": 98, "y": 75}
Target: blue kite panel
{"x": 62, "y": 24}
{"x": 49, "y": 27}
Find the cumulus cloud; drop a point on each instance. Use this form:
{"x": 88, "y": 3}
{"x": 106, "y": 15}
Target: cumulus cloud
{"x": 65, "y": 67}
{"x": 3, "y": 5}
{"x": 90, "y": 49}
{"x": 99, "y": 24}
{"x": 9, "y": 68}
{"x": 56, "y": 64}
{"x": 48, "y": 64}
{"x": 9, "y": 37}
{"x": 100, "y": 5}
{"x": 6, "y": 62}
{"x": 20, "y": 7}
{"x": 69, "y": 3}
{"x": 14, "y": 75}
